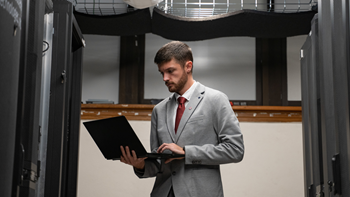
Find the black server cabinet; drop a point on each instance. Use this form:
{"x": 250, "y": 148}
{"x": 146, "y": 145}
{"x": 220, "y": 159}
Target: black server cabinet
{"x": 334, "y": 45}
{"x": 340, "y": 58}
{"x": 65, "y": 103}
{"x": 21, "y": 51}
{"x": 311, "y": 113}
{"x": 329, "y": 143}
{"x": 10, "y": 37}
{"x": 308, "y": 178}
{"x": 27, "y": 166}
{"x": 325, "y": 89}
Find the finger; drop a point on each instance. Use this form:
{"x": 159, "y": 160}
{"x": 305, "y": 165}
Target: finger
{"x": 127, "y": 151}
{"x": 169, "y": 160}
{"x": 122, "y": 159}
{"x": 165, "y": 147}
{"x": 125, "y": 160}
{"x": 123, "y": 151}
{"x": 134, "y": 155}
{"x": 127, "y": 155}
{"x": 160, "y": 147}
{"x": 172, "y": 159}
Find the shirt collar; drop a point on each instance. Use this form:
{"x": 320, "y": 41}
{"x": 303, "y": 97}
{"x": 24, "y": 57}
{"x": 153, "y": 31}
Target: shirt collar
{"x": 188, "y": 93}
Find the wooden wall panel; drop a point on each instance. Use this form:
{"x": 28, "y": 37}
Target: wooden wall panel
{"x": 143, "y": 112}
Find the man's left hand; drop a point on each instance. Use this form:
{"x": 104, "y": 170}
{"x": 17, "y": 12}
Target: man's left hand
{"x": 174, "y": 148}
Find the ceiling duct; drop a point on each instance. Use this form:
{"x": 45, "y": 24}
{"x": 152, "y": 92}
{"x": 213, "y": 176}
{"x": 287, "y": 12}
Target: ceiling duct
{"x": 141, "y": 4}
{"x": 193, "y": 8}
{"x": 207, "y": 8}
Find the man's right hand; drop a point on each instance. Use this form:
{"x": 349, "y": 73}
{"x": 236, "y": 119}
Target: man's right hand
{"x": 138, "y": 163}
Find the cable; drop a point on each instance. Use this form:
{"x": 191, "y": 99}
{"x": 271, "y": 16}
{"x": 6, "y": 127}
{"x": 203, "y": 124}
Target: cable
{"x": 48, "y": 46}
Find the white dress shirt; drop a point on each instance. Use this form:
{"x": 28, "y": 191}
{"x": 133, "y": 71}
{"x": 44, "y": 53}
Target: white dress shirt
{"x": 186, "y": 95}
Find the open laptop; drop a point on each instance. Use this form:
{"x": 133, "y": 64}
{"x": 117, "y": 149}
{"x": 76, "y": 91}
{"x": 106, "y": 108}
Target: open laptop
{"x": 111, "y": 133}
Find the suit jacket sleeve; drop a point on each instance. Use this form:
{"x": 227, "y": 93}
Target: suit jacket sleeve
{"x": 152, "y": 167}
{"x": 230, "y": 146}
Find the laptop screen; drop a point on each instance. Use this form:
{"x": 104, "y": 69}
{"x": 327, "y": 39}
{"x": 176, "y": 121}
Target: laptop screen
{"x": 111, "y": 133}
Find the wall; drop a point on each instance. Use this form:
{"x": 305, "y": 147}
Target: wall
{"x": 227, "y": 64}
{"x": 293, "y": 67}
{"x": 272, "y": 165}
{"x": 101, "y": 68}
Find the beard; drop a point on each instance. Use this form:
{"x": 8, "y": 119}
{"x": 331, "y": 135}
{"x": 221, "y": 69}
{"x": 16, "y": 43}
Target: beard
{"x": 177, "y": 87}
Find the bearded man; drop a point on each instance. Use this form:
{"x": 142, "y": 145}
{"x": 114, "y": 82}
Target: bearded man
{"x": 194, "y": 120}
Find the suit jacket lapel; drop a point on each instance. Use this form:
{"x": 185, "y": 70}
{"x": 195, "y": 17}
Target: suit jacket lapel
{"x": 170, "y": 107}
{"x": 196, "y": 98}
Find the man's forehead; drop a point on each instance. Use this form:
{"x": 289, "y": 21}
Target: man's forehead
{"x": 168, "y": 65}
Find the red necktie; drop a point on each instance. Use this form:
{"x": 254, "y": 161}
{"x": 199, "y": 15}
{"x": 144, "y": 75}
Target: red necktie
{"x": 180, "y": 111}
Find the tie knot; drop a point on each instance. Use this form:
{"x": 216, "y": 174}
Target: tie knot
{"x": 181, "y": 100}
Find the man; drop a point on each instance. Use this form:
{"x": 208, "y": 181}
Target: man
{"x": 196, "y": 121}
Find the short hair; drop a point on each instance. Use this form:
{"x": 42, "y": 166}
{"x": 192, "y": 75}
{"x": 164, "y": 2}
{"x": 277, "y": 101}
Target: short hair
{"x": 176, "y": 50}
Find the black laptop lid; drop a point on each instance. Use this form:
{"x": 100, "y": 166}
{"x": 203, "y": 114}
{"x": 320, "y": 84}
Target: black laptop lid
{"x": 111, "y": 133}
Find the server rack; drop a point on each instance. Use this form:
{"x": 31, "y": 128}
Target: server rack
{"x": 10, "y": 39}
{"x": 307, "y": 149}
{"x": 65, "y": 100}
{"x": 22, "y": 83}
{"x": 325, "y": 93}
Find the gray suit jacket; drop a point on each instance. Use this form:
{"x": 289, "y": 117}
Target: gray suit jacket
{"x": 210, "y": 133}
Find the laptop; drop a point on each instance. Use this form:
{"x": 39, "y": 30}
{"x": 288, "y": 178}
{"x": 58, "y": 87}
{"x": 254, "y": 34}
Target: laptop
{"x": 111, "y": 133}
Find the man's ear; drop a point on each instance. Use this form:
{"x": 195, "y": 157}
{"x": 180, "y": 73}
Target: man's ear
{"x": 188, "y": 66}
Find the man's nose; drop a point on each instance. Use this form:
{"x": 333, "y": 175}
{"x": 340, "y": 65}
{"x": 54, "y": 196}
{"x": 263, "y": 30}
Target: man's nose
{"x": 165, "y": 77}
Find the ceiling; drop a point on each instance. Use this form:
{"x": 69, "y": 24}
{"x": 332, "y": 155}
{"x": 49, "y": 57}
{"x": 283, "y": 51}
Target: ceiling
{"x": 196, "y": 8}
